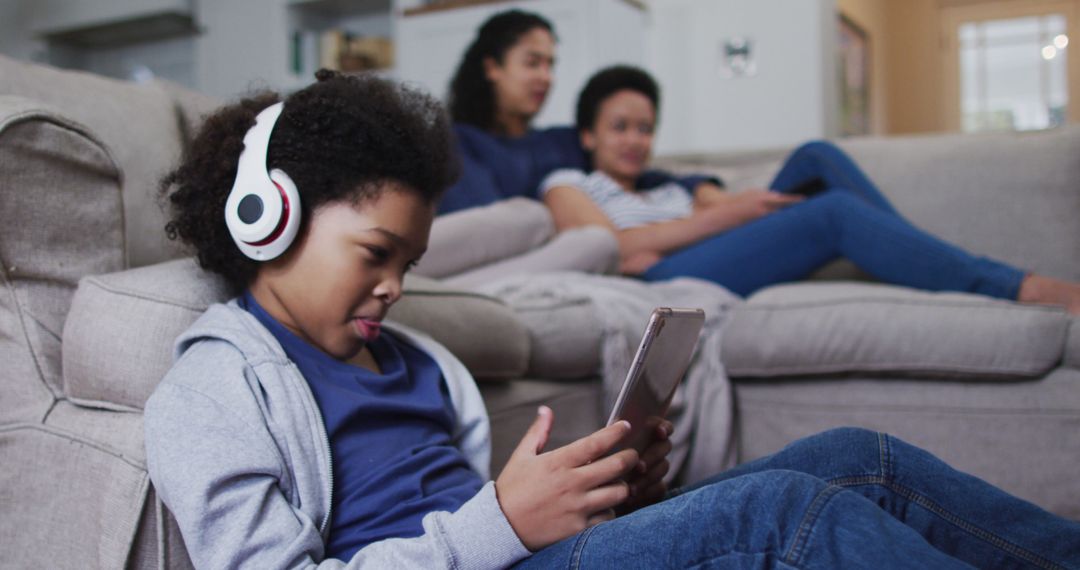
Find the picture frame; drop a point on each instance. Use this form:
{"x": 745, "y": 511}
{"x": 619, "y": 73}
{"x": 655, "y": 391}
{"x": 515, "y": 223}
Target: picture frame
{"x": 853, "y": 74}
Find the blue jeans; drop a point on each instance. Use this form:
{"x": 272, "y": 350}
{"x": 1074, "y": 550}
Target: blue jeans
{"x": 851, "y": 219}
{"x": 846, "y": 498}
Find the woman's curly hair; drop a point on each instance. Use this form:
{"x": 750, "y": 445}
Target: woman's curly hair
{"x": 472, "y": 96}
{"x": 607, "y": 82}
{"x": 340, "y": 138}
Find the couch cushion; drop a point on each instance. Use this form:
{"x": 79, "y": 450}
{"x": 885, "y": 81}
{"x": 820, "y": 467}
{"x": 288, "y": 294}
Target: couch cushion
{"x": 566, "y": 336}
{"x": 829, "y": 328}
{"x": 1072, "y": 346}
{"x": 119, "y": 335}
{"x": 60, "y": 219}
{"x": 120, "y": 332}
{"x": 480, "y": 330}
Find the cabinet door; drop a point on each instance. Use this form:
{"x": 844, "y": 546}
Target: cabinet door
{"x": 590, "y": 35}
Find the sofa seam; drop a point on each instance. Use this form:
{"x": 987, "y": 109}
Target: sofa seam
{"x": 999, "y": 305}
{"x": 19, "y": 312}
{"x": 1038, "y": 412}
{"x": 75, "y": 438}
{"x": 891, "y": 366}
{"x": 96, "y": 281}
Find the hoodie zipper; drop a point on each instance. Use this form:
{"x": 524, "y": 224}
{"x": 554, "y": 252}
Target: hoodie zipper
{"x": 314, "y": 406}
{"x": 330, "y": 477}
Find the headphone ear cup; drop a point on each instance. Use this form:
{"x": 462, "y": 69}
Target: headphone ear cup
{"x": 291, "y": 212}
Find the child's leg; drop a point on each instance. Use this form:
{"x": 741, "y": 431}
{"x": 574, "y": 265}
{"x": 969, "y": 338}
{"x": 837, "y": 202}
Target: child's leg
{"x": 820, "y": 159}
{"x": 790, "y": 244}
{"x": 959, "y": 514}
{"x": 763, "y": 520}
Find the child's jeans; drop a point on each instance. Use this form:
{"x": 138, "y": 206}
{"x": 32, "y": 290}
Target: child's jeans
{"x": 846, "y": 498}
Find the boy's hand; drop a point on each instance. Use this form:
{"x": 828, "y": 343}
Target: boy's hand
{"x": 646, "y": 481}
{"x": 550, "y": 496}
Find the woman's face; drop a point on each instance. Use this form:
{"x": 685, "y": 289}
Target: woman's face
{"x": 333, "y": 287}
{"x": 523, "y": 78}
{"x": 621, "y": 138}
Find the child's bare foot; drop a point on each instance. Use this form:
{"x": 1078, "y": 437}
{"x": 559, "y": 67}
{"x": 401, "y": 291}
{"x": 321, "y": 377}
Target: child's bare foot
{"x": 1042, "y": 289}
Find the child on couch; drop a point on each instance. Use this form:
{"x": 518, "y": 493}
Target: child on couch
{"x": 297, "y": 429}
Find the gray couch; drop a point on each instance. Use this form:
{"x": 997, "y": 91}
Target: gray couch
{"x": 93, "y": 295}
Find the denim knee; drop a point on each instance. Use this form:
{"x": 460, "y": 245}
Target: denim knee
{"x": 778, "y": 492}
{"x": 817, "y": 147}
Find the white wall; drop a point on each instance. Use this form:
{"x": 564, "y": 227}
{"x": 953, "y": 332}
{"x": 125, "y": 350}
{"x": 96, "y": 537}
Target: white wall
{"x": 792, "y": 97}
{"x": 591, "y": 34}
{"x": 245, "y": 44}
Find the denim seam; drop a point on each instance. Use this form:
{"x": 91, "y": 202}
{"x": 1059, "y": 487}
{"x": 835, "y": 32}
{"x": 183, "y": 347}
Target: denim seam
{"x": 579, "y": 547}
{"x": 806, "y": 526}
{"x": 947, "y": 516}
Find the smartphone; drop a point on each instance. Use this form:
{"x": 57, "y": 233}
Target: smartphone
{"x": 662, "y": 357}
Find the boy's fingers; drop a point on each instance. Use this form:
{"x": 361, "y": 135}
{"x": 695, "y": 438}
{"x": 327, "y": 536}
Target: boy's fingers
{"x": 607, "y": 497}
{"x": 602, "y": 516}
{"x": 534, "y": 440}
{"x": 595, "y": 445}
{"x": 609, "y": 468}
{"x": 656, "y": 451}
{"x": 664, "y": 429}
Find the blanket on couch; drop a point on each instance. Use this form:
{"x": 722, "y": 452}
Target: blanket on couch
{"x": 616, "y": 310}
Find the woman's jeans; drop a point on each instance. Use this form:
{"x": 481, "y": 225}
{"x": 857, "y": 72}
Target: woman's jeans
{"x": 846, "y": 498}
{"x": 851, "y": 219}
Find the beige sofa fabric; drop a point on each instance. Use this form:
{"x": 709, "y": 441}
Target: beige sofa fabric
{"x": 59, "y": 219}
{"x": 1019, "y": 435}
{"x": 1012, "y": 196}
{"x": 75, "y": 499}
{"x": 123, "y": 325}
{"x": 140, "y": 126}
{"x": 480, "y": 330}
{"x": 829, "y": 328}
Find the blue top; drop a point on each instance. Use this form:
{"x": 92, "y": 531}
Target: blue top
{"x": 495, "y": 168}
{"x": 403, "y": 416}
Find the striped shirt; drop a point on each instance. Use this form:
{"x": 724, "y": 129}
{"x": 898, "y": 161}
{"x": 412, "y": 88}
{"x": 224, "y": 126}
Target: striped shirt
{"x": 626, "y": 210}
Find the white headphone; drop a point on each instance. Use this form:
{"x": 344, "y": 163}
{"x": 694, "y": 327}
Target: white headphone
{"x": 263, "y": 209}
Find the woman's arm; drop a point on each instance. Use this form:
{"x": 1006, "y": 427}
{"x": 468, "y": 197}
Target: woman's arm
{"x": 570, "y": 207}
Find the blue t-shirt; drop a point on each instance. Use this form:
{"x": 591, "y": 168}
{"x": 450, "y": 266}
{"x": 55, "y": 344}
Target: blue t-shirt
{"x": 495, "y": 168}
{"x": 393, "y": 457}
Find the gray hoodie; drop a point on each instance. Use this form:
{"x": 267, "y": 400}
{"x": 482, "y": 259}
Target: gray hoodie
{"x": 237, "y": 450}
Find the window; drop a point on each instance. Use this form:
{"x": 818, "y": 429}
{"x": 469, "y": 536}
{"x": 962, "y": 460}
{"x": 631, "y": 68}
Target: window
{"x": 1013, "y": 73}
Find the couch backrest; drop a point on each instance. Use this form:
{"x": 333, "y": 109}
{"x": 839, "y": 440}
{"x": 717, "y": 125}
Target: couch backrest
{"x": 1014, "y": 196}
{"x": 144, "y": 126}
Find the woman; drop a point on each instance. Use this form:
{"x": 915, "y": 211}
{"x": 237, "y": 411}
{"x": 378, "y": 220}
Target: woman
{"x": 752, "y": 239}
{"x": 500, "y": 85}
{"x": 296, "y": 429}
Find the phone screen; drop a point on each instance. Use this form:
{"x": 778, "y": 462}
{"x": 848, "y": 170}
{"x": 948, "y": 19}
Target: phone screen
{"x": 662, "y": 358}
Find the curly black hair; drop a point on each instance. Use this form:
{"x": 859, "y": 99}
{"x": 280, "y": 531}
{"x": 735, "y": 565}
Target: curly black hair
{"x": 472, "y": 96}
{"x": 607, "y": 82}
{"x": 340, "y": 138}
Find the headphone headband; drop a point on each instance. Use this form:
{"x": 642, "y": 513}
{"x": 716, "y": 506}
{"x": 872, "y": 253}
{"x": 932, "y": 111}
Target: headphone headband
{"x": 262, "y": 211}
